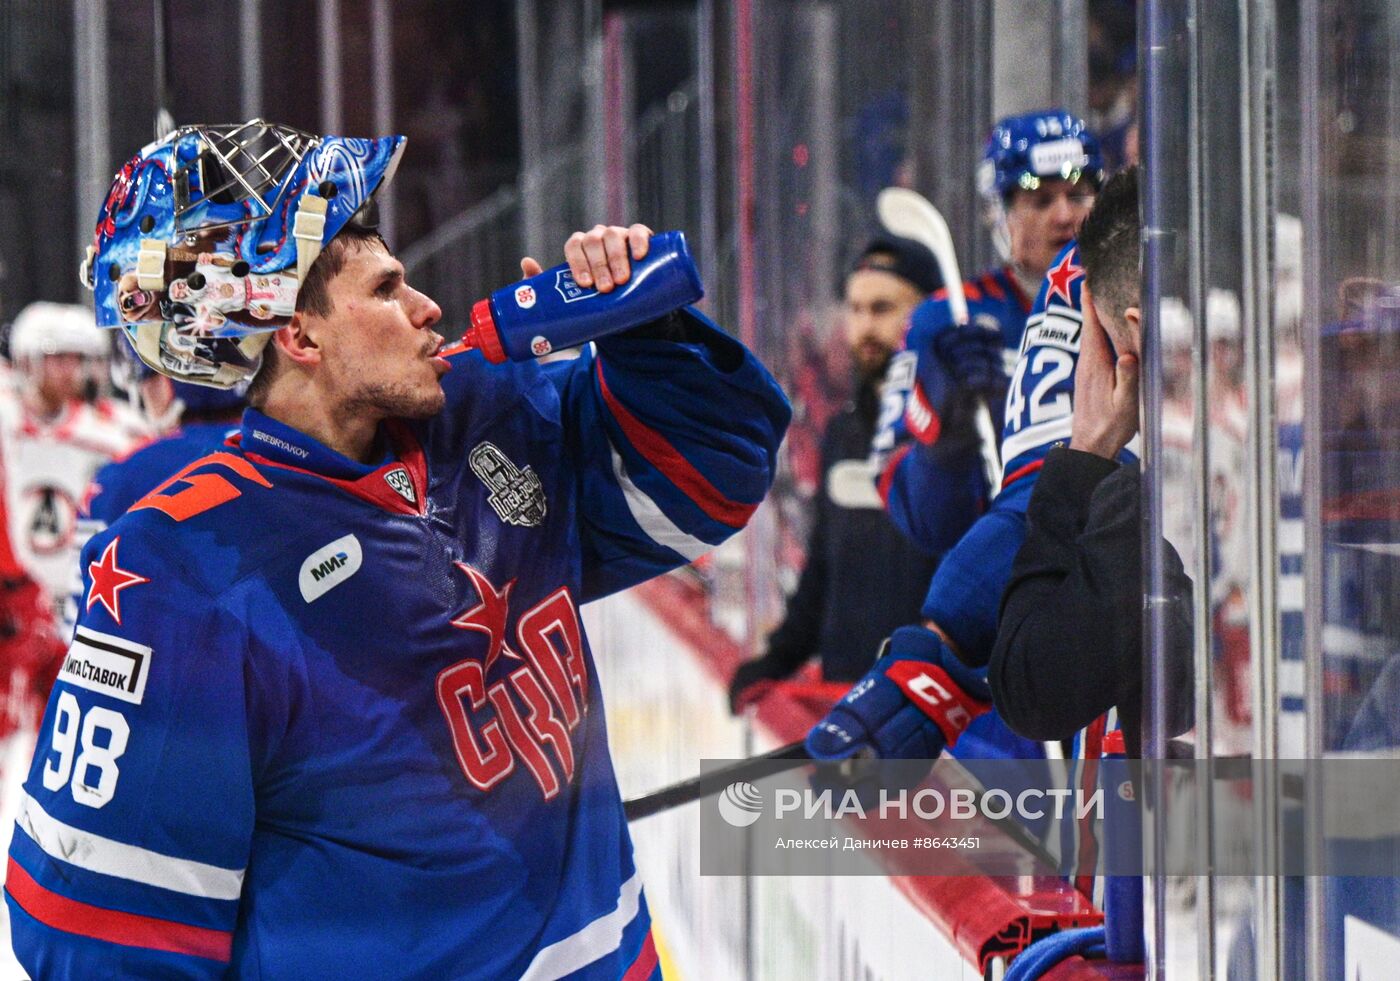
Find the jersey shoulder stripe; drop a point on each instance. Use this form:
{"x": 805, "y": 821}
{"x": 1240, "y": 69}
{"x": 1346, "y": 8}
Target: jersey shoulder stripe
{"x": 649, "y": 516}
{"x": 658, "y": 451}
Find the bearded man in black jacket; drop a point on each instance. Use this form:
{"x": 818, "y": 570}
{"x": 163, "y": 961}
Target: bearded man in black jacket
{"x": 862, "y": 578}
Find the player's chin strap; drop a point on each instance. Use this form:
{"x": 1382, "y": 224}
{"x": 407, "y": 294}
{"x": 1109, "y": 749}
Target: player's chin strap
{"x": 308, "y": 228}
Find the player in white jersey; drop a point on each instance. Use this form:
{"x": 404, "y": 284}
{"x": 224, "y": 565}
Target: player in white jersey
{"x": 53, "y": 439}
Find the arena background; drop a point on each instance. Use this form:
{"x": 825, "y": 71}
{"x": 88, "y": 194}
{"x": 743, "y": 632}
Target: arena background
{"x": 764, "y": 128}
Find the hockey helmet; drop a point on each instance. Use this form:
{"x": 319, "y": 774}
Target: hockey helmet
{"x": 1025, "y": 150}
{"x": 54, "y": 328}
{"x": 129, "y": 372}
{"x": 1222, "y": 315}
{"x": 207, "y": 234}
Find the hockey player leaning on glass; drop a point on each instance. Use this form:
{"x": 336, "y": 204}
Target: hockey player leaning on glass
{"x": 330, "y": 710}
{"x": 1068, "y": 652}
{"x": 930, "y": 688}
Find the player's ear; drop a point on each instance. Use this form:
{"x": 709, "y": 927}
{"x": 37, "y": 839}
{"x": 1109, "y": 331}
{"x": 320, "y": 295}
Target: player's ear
{"x": 1132, "y": 317}
{"x": 297, "y": 343}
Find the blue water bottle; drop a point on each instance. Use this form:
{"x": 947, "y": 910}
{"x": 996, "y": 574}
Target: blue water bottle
{"x": 550, "y": 312}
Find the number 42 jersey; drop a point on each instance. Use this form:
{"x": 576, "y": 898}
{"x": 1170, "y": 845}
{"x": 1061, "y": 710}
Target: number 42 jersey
{"x": 324, "y": 719}
{"x": 1040, "y": 399}
{"x": 965, "y": 594}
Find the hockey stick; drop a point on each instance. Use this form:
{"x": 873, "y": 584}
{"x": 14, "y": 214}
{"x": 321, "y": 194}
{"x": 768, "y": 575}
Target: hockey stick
{"x": 776, "y": 761}
{"x": 763, "y": 765}
{"x": 909, "y": 214}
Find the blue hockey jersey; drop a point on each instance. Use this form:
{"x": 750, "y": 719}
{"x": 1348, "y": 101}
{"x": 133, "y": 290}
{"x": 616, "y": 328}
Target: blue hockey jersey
{"x": 123, "y": 482}
{"x": 914, "y": 468}
{"x": 936, "y": 497}
{"x": 965, "y": 593}
{"x": 323, "y": 719}
{"x": 1039, "y": 402}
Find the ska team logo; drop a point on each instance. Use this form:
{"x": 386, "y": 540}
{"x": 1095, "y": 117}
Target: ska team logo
{"x": 570, "y": 290}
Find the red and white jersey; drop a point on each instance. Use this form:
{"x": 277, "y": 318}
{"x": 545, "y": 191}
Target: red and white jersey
{"x": 48, "y": 465}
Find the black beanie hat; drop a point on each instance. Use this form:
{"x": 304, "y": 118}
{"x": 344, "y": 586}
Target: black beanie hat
{"x": 903, "y": 257}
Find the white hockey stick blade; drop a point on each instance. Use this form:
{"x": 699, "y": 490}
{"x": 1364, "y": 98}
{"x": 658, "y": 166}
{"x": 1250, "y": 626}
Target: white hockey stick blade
{"x": 909, "y": 214}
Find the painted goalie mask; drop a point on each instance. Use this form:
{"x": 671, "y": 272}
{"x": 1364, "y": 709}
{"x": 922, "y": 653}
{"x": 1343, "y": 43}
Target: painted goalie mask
{"x": 206, "y": 236}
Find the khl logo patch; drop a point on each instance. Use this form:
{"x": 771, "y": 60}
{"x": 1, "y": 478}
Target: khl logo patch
{"x": 516, "y": 495}
{"x": 402, "y": 483}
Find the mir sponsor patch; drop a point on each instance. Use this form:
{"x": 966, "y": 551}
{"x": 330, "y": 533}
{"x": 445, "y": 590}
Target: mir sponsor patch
{"x": 329, "y": 566}
{"x": 107, "y": 665}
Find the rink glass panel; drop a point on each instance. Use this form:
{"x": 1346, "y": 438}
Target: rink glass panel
{"x": 1183, "y": 506}
{"x": 774, "y": 208}
{"x": 830, "y": 105}
{"x": 1351, "y": 98}
{"x": 1278, "y": 440}
{"x": 1208, "y": 439}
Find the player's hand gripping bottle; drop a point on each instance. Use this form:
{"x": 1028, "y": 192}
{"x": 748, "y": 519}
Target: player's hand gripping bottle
{"x": 550, "y": 312}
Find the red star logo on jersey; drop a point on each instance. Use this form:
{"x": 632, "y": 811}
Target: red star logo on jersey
{"x": 488, "y": 616}
{"x": 109, "y": 579}
{"x": 1062, "y": 276}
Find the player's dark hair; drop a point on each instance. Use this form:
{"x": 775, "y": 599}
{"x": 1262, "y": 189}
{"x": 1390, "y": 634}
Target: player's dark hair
{"x": 314, "y": 296}
{"x": 1109, "y": 243}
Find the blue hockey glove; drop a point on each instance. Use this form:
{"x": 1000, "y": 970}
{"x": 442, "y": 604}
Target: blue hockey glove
{"x": 956, "y": 364}
{"x": 916, "y": 700}
{"x": 972, "y": 355}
